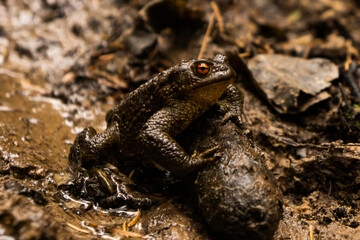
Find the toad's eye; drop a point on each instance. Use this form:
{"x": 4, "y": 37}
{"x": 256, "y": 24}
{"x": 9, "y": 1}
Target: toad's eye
{"x": 202, "y": 69}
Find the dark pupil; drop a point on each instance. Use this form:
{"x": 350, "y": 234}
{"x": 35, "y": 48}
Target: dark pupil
{"x": 202, "y": 68}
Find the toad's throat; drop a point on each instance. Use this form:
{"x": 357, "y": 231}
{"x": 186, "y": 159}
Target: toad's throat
{"x": 210, "y": 93}
{"x": 213, "y": 81}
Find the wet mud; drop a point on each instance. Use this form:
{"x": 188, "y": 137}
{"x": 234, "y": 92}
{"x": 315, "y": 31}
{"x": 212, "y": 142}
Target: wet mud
{"x": 64, "y": 64}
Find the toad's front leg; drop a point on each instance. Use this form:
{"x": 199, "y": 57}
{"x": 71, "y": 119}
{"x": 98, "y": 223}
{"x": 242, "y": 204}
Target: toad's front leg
{"x": 89, "y": 146}
{"x": 157, "y": 138}
{"x": 231, "y": 103}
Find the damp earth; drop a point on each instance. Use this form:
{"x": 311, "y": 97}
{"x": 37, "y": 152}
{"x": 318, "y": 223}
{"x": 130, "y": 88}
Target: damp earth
{"x": 65, "y": 64}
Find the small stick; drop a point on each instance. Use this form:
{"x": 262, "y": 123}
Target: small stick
{"x": 218, "y": 16}
{"x": 131, "y": 174}
{"x": 350, "y": 50}
{"x": 348, "y": 61}
{"x": 77, "y": 228}
{"x": 136, "y": 219}
{"x": 311, "y": 232}
{"x": 124, "y": 226}
{"x": 128, "y": 234}
{"x": 244, "y": 55}
{"x": 207, "y": 36}
{"x": 330, "y": 187}
{"x": 307, "y": 50}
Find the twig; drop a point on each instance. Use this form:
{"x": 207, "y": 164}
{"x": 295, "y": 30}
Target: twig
{"x": 135, "y": 219}
{"x": 311, "y": 232}
{"x": 244, "y": 55}
{"x": 131, "y": 174}
{"x": 290, "y": 142}
{"x": 330, "y": 188}
{"x": 348, "y": 56}
{"x": 307, "y": 50}
{"x": 207, "y": 35}
{"x": 219, "y": 18}
{"x": 11, "y": 73}
{"x": 77, "y": 228}
{"x": 127, "y": 233}
{"x": 124, "y": 226}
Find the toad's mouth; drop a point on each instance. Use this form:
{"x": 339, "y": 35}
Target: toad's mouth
{"x": 214, "y": 81}
{"x": 210, "y": 92}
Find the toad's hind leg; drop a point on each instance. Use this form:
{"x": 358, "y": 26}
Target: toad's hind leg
{"x": 89, "y": 146}
{"x": 90, "y": 163}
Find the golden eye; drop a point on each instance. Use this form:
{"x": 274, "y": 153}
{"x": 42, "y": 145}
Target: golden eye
{"x": 202, "y": 68}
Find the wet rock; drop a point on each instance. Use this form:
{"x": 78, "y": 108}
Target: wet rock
{"x": 236, "y": 194}
{"x": 292, "y": 84}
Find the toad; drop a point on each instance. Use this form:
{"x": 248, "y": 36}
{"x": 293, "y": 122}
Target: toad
{"x": 145, "y": 124}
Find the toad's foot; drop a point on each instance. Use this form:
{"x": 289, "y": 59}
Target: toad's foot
{"x": 198, "y": 160}
{"x": 89, "y": 146}
{"x": 110, "y": 188}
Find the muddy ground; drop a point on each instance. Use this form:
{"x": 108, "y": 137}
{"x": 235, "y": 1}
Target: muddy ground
{"x": 64, "y": 64}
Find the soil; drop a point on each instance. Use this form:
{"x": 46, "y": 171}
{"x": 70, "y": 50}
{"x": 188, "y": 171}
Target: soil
{"x": 64, "y": 64}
